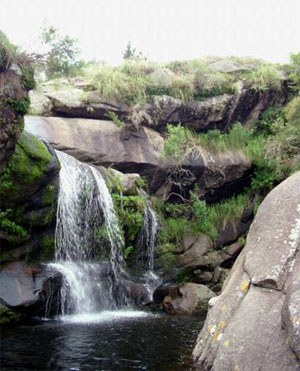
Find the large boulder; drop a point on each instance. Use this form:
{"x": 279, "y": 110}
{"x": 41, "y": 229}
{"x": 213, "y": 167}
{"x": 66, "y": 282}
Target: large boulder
{"x": 28, "y": 192}
{"x": 24, "y": 289}
{"x": 254, "y": 323}
{"x": 189, "y": 298}
{"x": 138, "y": 150}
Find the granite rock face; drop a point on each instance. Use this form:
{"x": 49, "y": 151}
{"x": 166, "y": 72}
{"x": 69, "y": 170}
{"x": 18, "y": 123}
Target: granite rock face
{"x": 138, "y": 150}
{"x": 255, "y": 323}
{"x": 218, "y": 112}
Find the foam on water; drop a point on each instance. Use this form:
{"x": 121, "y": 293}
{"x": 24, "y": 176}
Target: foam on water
{"x": 105, "y": 316}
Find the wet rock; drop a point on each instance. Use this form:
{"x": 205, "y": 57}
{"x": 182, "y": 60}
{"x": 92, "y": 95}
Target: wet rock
{"x": 16, "y": 285}
{"x": 138, "y": 293}
{"x": 164, "y": 290}
{"x": 128, "y": 182}
{"x": 258, "y": 308}
{"x": 28, "y": 192}
{"x": 27, "y": 286}
{"x": 190, "y": 298}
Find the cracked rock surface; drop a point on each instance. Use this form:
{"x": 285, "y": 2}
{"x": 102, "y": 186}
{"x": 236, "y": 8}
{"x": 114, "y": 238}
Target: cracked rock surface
{"x": 255, "y": 323}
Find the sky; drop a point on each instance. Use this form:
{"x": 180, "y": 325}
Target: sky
{"x": 162, "y": 30}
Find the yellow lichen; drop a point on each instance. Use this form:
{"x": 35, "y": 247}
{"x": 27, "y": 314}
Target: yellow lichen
{"x": 215, "y": 337}
{"x": 222, "y": 324}
{"x": 223, "y": 308}
{"x": 295, "y": 319}
{"x": 226, "y": 343}
{"x": 245, "y": 286}
{"x": 218, "y": 330}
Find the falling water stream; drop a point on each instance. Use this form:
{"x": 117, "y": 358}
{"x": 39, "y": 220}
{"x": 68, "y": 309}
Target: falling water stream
{"x": 89, "y": 284}
{"x": 84, "y": 205}
{"x": 147, "y": 242}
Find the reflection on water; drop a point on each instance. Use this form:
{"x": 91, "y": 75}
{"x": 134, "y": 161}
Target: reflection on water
{"x": 119, "y": 341}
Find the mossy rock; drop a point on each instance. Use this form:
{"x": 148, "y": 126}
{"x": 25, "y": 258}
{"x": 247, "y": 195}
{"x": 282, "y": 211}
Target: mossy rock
{"x": 8, "y": 315}
{"x": 40, "y": 217}
{"x": 41, "y": 248}
{"x": 27, "y": 170}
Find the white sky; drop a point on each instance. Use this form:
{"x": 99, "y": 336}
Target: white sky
{"x": 162, "y": 29}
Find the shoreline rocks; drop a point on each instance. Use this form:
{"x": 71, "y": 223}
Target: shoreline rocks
{"x": 254, "y": 323}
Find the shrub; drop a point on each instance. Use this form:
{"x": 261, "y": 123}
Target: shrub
{"x": 209, "y": 218}
{"x": 115, "y": 118}
{"x": 8, "y": 52}
{"x": 265, "y": 77}
{"x": 113, "y": 83}
{"x": 283, "y": 147}
{"x": 176, "y": 143}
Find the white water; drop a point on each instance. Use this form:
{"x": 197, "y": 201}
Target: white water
{"x": 148, "y": 241}
{"x": 106, "y": 316}
{"x": 84, "y": 203}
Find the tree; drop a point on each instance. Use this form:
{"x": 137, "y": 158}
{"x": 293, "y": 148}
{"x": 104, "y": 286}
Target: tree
{"x": 63, "y": 52}
{"x": 129, "y": 52}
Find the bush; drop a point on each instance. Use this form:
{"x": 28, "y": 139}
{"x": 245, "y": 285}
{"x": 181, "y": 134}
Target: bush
{"x": 113, "y": 83}
{"x": 8, "y": 52}
{"x": 265, "y": 77}
{"x": 283, "y": 147}
{"x": 209, "y": 218}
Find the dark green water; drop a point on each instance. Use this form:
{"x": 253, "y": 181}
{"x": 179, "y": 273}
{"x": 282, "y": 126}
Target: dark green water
{"x": 110, "y": 343}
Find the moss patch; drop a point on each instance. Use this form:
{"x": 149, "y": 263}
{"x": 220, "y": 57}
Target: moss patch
{"x": 25, "y": 167}
{"x": 9, "y": 316}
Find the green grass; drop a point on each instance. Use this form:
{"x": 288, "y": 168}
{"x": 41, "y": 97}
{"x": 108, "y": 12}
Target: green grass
{"x": 132, "y": 81}
{"x": 182, "y": 142}
{"x": 210, "y": 218}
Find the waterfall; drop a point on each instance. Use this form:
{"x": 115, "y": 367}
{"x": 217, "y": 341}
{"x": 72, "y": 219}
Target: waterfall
{"x": 85, "y": 205}
{"x": 150, "y": 230}
{"x": 147, "y": 243}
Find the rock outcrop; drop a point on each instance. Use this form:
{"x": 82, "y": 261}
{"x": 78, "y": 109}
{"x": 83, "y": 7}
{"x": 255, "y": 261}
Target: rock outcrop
{"x": 217, "y": 112}
{"x": 254, "y": 323}
{"x": 133, "y": 150}
{"x": 28, "y": 191}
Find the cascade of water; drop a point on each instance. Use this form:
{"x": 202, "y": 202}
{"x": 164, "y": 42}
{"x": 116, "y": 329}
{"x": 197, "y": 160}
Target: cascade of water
{"x": 84, "y": 204}
{"x": 150, "y": 230}
{"x": 148, "y": 241}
